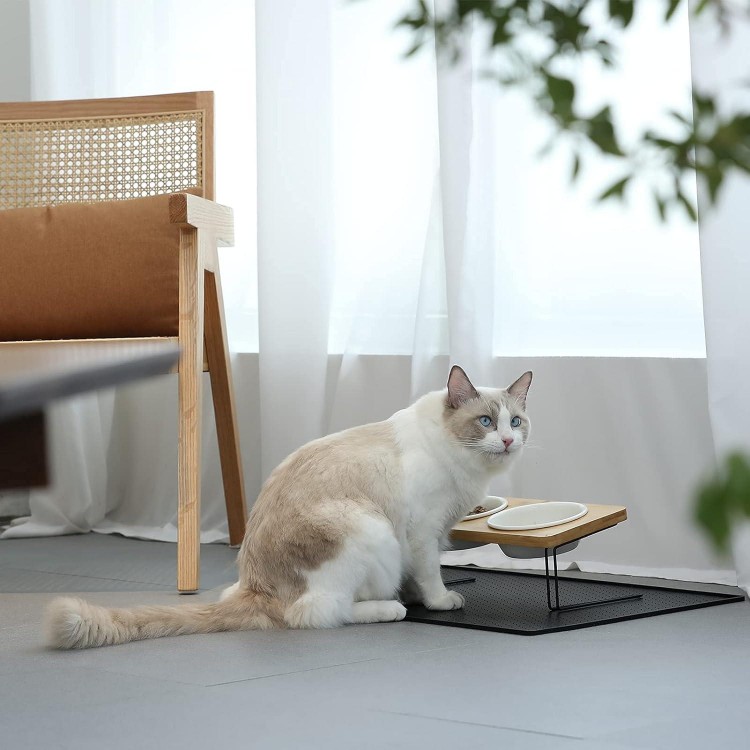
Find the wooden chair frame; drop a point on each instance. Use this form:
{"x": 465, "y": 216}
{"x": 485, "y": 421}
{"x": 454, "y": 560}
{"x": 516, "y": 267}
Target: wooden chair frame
{"x": 202, "y": 336}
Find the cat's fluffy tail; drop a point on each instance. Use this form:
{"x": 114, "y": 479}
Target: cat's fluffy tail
{"x": 74, "y": 623}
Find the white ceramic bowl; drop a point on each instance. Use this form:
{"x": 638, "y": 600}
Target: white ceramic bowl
{"x": 536, "y": 516}
{"x": 493, "y": 505}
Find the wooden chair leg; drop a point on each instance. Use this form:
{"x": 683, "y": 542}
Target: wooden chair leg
{"x": 190, "y": 382}
{"x": 217, "y": 353}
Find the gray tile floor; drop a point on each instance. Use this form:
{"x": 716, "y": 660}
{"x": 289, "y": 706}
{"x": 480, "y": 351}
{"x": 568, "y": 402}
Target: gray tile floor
{"x": 675, "y": 681}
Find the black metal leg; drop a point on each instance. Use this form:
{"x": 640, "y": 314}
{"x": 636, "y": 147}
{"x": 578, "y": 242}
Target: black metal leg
{"x": 557, "y": 607}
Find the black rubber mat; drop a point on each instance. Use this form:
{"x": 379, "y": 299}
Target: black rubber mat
{"x": 511, "y": 602}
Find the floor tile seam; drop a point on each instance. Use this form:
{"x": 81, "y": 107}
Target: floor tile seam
{"x": 521, "y": 730}
{"x": 596, "y": 742}
{"x": 292, "y": 672}
{"x": 114, "y": 671}
{"x": 383, "y": 658}
{"x": 614, "y": 736}
{"x": 166, "y": 586}
{"x": 65, "y": 712}
{"x": 150, "y": 678}
{"x": 467, "y": 644}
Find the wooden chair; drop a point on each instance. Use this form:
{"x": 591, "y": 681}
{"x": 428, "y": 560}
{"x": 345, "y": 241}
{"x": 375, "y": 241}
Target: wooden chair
{"x": 109, "y": 232}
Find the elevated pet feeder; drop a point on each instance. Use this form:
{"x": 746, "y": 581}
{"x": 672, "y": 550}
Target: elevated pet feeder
{"x": 514, "y": 602}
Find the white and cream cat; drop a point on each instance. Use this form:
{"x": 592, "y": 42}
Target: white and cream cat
{"x": 344, "y": 524}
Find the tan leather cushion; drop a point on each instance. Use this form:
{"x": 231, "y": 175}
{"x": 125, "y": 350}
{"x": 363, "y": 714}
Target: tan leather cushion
{"x": 89, "y": 271}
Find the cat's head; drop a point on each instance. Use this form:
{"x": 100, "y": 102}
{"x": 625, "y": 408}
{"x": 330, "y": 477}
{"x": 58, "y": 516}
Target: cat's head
{"x": 490, "y": 422}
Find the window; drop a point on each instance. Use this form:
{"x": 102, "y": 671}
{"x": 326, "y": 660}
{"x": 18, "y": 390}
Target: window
{"x": 87, "y": 48}
{"x": 571, "y": 277}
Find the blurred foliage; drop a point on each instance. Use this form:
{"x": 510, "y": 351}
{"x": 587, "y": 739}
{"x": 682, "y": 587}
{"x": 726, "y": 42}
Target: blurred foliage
{"x": 533, "y": 47}
{"x": 533, "y": 41}
{"x": 724, "y": 500}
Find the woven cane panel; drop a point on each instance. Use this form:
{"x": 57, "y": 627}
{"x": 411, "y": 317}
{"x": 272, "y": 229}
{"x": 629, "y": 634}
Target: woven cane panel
{"x": 46, "y": 162}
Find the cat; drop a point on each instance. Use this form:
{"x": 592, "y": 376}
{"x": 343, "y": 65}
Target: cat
{"x": 344, "y": 523}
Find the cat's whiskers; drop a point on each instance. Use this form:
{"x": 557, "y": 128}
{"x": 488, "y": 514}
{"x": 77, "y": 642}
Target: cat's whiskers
{"x": 532, "y": 445}
{"x": 473, "y": 444}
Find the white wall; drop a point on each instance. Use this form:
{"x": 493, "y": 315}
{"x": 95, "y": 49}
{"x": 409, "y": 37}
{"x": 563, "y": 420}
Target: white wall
{"x": 625, "y": 431}
{"x": 15, "y": 58}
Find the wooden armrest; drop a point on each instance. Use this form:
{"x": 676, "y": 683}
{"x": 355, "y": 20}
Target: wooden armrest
{"x": 203, "y": 214}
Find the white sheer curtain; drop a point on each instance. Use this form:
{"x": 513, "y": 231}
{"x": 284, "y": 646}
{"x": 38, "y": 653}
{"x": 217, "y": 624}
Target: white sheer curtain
{"x": 449, "y": 241}
{"x": 725, "y": 260}
{"x": 404, "y": 222}
{"x": 114, "y": 455}
{"x": 295, "y": 224}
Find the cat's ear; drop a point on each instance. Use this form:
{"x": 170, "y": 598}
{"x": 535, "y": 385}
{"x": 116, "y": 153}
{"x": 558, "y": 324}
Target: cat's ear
{"x": 460, "y": 388}
{"x": 520, "y": 388}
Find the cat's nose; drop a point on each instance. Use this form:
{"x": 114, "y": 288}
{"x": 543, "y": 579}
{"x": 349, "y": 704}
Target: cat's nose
{"x": 508, "y": 442}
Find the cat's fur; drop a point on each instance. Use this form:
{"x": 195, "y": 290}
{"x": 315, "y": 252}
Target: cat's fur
{"x": 343, "y": 524}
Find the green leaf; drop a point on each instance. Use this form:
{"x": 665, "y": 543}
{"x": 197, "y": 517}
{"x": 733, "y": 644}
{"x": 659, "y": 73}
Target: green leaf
{"x": 622, "y": 10}
{"x": 712, "y": 513}
{"x": 576, "y": 168}
{"x": 606, "y": 52}
{"x": 562, "y": 92}
{"x": 704, "y": 104}
{"x": 714, "y": 177}
{"x": 673, "y": 5}
{"x": 738, "y": 482}
{"x": 413, "y": 23}
{"x": 723, "y": 499}
{"x": 681, "y": 118}
{"x": 617, "y": 189}
{"x": 687, "y": 205}
{"x": 661, "y": 206}
{"x": 500, "y": 35}
{"x": 601, "y": 131}
{"x": 663, "y": 143}
{"x": 413, "y": 49}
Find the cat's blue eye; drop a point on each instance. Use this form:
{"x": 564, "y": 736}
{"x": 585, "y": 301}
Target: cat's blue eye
{"x": 515, "y": 422}
{"x": 485, "y": 421}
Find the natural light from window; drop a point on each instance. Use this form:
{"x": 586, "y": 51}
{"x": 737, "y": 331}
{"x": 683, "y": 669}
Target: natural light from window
{"x": 572, "y": 277}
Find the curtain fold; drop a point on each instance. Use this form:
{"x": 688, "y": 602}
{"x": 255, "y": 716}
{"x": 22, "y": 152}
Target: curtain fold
{"x": 465, "y": 125}
{"x": 717, "y": 59}
{"x": 78, "y": 460}
{"x": 295, "y": 221}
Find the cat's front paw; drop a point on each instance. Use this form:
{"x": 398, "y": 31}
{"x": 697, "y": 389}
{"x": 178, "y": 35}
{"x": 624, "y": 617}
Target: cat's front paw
{"x": 450, "y": 600}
